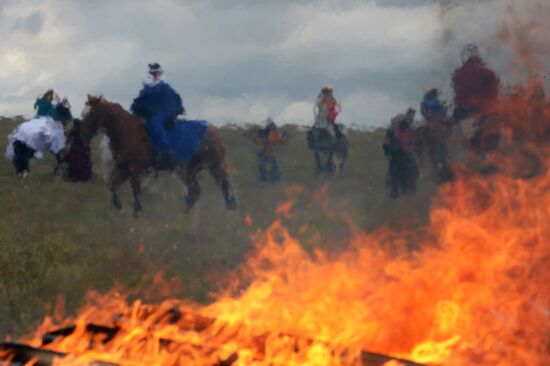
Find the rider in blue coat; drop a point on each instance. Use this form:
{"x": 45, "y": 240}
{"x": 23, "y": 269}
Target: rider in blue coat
{"x": 432, "y": 108}
{"x": 159, "y": 105}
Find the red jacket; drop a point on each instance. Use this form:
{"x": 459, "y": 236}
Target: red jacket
{"x": 331, "y": 106}
{"x": 475, "y": 84}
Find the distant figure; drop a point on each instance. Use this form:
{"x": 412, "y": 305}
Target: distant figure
{"x": 326, "y": 110}
{"x": 326, "y": 138}
{"x": 269, "y": 138}
{"x": 159, "y": 105}
{"x": 475, "y": 85}
{"x": 435, "y": 132}
{"x": 78, "y": 158}
{"x": 476, "y": 89}
{"x": 399, "y": 148}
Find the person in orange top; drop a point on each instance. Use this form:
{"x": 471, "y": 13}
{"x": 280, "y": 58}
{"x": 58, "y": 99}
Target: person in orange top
{"x": 269, "y": 138}
{"x": 326, "y": 110}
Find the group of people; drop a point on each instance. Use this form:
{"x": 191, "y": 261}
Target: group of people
{"x": 475, "y": 88}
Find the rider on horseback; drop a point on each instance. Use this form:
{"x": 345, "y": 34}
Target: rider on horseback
{"x": 434, "y": 133}
{"x": 42, "y": 133}
{"x": 326, "y": 109}
{"x": 475, "y": 85}
{"x": 159, "y": 105}
{"x": 399, "y": 148}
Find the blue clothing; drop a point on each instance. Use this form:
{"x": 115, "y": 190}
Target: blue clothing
{"x": 156, "y": 100}
{"x": 45, "y": 108}
{"x": 433, "y": 109}
{"x": 159, "y": 105}
{"x": 185, "y": 138}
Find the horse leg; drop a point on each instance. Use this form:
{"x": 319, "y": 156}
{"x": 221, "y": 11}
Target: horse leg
{"x": 262, "y": 168}
{"x": 189, "y": 177}
{"x": 58, "y": 162}
{"x": 221, "y": 177}
{"x": 393, "y": 176}
{"x": 275, "y": 172}
{"x": 136, "y": 189}
{"x": 318, "y": 166}
{"x": 329, "y": 165}
{"x": 341, "y": 164}
{"x": 117, "y": 178}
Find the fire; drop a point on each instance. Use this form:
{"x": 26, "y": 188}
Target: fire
{"x": 475, "y": 294}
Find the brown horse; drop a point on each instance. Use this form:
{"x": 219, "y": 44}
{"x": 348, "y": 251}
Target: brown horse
{"x": 132, "y": 156}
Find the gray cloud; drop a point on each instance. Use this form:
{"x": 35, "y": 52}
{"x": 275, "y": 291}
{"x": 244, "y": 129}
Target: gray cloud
{"x": 32, "y": 23}
{"x": 240, "y": 60}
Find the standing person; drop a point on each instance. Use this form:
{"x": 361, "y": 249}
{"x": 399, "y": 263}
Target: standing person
{"x": 269, "y": 138}
{"x": 326, "y": 110}
{"x": 399, "y": 148}
{"x": 159, "y": 105}
{"x": 78, "y": 158}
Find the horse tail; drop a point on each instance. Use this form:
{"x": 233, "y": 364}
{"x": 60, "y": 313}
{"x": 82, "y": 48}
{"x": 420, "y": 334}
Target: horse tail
{"x": 106, "y": 156}
{"x": 212, "y": 144}
{"x": 212, "y": 154}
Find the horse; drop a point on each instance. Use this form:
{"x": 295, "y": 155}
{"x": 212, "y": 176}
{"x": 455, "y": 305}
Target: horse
{"x": 325, "y": 147}
{"x": 402, "y": 170}
{"x": 32, "y": 138}
{"x": 432, "y": 136}
{"x": 132, "y": 153}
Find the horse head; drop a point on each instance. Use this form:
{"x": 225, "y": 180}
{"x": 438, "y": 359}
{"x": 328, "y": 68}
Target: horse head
{"x": 93, "y": 117}
{"x": 64, "y": 111}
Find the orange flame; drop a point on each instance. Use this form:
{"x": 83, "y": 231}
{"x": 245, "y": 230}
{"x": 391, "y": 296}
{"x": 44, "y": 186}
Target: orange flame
{"x": 476, "y": 294}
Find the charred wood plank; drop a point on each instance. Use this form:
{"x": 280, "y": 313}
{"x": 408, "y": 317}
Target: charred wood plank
{"x": 378, "y": 359}
{"x": 21, "y": 354}
{"x": 110, "y": 333}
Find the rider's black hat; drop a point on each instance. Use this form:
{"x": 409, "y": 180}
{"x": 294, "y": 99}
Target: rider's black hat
{"x": 155, "y": 67}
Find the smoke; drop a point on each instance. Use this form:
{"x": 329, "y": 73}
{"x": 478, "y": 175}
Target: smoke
{"x": 511, "y": 36}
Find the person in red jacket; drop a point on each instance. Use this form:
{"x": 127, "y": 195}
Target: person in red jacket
{"x": 326, "y": 110}
{"x": 475, "y": 85}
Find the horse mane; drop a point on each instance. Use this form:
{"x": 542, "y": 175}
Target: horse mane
{"x": 115, "y": 111}
{"x": 115, "y": 108}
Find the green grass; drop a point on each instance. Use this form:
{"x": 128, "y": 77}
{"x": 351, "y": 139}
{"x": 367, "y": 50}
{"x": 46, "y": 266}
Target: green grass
{"x": 64, "y": 238}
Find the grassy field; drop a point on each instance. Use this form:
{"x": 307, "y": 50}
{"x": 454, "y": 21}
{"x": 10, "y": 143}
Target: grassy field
{"x": 58, "y": 237}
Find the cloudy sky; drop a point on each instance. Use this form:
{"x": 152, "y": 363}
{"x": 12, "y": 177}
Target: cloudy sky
{"x": 244, "y": 60}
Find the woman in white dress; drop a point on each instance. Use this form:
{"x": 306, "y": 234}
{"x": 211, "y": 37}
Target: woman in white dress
{"x": 43, "y": 133}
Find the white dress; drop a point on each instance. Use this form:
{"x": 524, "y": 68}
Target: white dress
{"x": 41, "y": 134}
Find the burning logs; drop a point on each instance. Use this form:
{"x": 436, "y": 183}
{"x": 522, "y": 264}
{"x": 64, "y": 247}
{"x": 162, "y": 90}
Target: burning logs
{"x": 93, "y": 342}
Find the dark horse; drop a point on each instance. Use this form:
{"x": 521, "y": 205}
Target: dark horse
{"x": 23, "y": 153}
{"x": 325, "y": 147}
{"x": 432, "y": 136}
{"x": 132, "y": 153}
{"x": 402, "y": 170}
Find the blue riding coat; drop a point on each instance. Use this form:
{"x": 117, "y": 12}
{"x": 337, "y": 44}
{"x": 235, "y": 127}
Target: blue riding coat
{"x": 159, "y": 105}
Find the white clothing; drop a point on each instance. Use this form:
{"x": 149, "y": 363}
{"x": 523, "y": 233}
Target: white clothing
{"x": 41, "y": 134}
